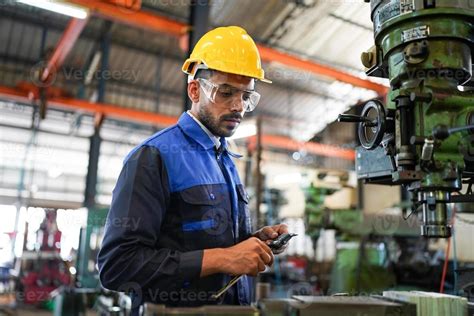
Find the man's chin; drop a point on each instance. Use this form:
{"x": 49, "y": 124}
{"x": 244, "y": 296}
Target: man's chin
{"x": 225, "y": 132}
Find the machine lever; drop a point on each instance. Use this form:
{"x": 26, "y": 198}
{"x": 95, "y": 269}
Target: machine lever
{"x": 351, "y": 118}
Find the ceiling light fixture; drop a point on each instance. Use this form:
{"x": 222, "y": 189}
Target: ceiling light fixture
{"x": 57, "y": 6}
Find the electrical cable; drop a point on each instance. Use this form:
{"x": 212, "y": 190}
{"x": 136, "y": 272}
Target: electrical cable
{"x": 455, "y": 256}
{"x": 446, "y": 260}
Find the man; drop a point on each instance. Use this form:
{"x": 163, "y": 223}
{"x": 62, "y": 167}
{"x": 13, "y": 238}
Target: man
{"x": 179, "y": 224}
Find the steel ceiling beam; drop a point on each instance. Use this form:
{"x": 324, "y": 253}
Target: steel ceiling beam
{"x": 310, "y": 147}
{"x": 272, "y": 55}
{"x": 64, "y": 46}
{"x": 28, "y": 96}
{"x": 281, "y": 142}
{"x": 141, "y": 19}
{"x": 157, "y": 23}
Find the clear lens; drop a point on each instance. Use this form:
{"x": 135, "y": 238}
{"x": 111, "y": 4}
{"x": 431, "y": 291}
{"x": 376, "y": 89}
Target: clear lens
{"x": 207, "y": 88}
{"x": 225, "y": 94}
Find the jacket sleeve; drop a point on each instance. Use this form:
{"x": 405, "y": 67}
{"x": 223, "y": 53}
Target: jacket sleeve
{"x": 128, "y": 253}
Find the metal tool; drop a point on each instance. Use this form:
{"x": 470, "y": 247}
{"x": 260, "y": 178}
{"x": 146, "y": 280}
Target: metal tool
{"x": 280, "y": 242}
{"x": 275, "y": 246}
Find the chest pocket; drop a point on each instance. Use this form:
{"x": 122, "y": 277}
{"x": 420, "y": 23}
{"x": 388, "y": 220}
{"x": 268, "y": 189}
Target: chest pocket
{"x": 245, "y": 220}
{"x": 205, "y": 217}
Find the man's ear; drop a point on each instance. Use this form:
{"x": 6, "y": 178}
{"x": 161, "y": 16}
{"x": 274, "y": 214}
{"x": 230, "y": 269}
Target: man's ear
{"x": 193, "y": 91}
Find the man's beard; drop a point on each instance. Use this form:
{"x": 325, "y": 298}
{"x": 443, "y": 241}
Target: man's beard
{"x": 214, "y": 124}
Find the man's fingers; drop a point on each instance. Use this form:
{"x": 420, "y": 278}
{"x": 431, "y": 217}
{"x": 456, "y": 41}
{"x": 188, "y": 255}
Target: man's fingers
{"x": 267, "y": 258}
{"x": 281, "y": 229}
{"x": 272, "y": 232}
{"x": 261, "y": 266}
{"x": 265, "y": 247}
{"x": 267, "y": 254}
{"x": 268, "y": 233}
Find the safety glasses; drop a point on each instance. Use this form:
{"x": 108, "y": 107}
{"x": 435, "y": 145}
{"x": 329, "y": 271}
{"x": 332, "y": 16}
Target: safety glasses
{"x": 224, "y": 93}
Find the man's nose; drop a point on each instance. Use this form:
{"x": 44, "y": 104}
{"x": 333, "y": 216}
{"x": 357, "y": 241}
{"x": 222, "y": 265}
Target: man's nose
{"x": 238, "y": 104}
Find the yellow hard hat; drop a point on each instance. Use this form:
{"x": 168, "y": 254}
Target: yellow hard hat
{"x": 228, "y": 49}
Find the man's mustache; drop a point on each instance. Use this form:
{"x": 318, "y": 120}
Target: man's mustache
{"x": 235, "y": 116}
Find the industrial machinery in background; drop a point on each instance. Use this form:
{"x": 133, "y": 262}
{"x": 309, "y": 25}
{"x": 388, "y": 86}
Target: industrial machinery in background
{"x": 318, "y": 216}
{"x": 423, "y": 137}
{"x": 86, "y": 291}
{"x": 89, "y": 243}
{"x": 361, "y": 263}
{"x": 370, "y": 256}
{"x": 43, "y": 270}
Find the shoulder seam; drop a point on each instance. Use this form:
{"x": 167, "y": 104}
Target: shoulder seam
{"x": 160, "y": 133}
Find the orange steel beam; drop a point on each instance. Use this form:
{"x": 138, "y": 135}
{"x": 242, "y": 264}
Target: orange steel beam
{"x": 64, "y": 46}
{"x": 15, "y": 95}
{"x": 272, "y": 55}
{"x": 140, "y": 19}
{"x": 157, "y": 23}
{"x": 129, "y": 4}
{"x": 108, "y": 110}
{"x": 319, "y": 149}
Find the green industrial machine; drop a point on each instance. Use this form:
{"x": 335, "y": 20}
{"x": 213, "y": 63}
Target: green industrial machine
{"x": 89, "y": 244}
{"x": 315, "y": 215}
{"x": 359, "y": 266}
{"x": 423, "y": 136}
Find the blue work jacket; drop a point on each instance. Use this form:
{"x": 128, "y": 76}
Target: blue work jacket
{"x": 176, "y": 195}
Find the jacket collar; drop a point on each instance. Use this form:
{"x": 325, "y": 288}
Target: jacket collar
{"x": 192, "y": 129}
{"x": 215, "y": 139}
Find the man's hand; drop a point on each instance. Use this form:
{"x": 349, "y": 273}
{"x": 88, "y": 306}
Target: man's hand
{"x": 247, "y": 257}
{"x": 269, "y": 233}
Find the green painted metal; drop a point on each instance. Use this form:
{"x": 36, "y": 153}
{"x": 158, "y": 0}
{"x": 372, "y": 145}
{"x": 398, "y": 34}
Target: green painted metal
{"x": 91, "y": 236}
{"x": 425, "y": 50}
{"x": 374, "y": 276}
